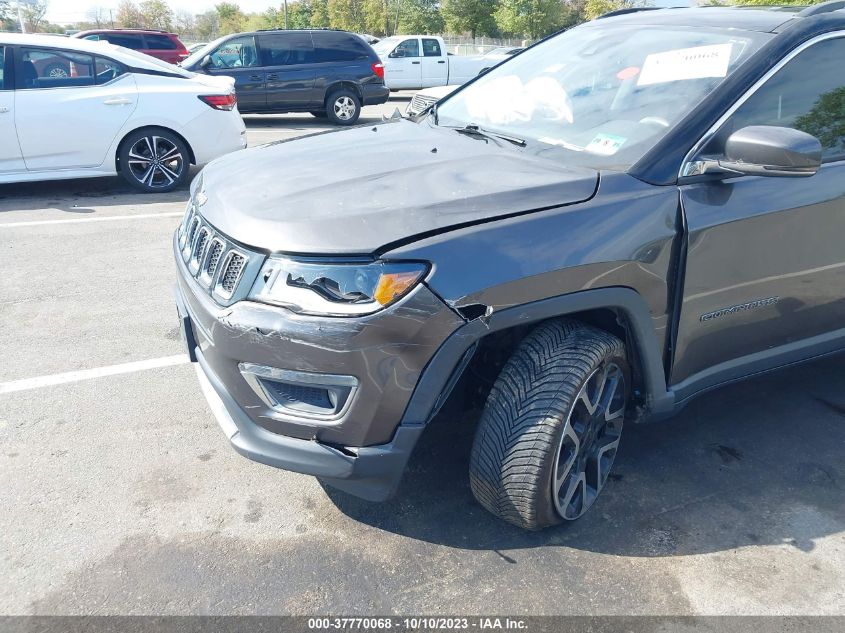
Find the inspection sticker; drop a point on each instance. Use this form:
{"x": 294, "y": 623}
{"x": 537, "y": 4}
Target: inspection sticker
{"x": 605, "y": 144}
{"x": 686, "y": 63}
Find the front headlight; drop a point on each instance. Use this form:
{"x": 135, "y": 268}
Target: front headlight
{"x": 335, "y": 289}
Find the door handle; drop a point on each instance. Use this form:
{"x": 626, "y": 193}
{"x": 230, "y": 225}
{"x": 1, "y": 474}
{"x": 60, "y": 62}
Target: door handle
{"x": 255, "y": 77}
{"x": 272, "y": 76}
{"x": 118, "y": 101}
{"x": 441, "y": 61}
{"x": 415, "y": 62}
{"x": 3, "y": 110}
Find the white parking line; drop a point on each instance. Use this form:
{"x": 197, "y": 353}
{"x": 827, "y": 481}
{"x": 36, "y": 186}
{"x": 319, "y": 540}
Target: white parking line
{"x": 87, "y": 374}
{"x": 108, "y": 218}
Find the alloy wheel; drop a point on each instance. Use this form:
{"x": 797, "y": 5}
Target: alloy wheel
{"x": 155, "y": 161}
{"x": 344, "y": 108}
{"x": 589, "y": 442}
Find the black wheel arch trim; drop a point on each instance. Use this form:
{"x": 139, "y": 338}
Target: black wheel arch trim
{"x": 440, "y": 374}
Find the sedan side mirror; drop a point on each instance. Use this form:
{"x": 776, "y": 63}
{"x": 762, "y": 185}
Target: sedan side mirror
{"x": 765, "y": 150}
{"x": 206, "y": 61}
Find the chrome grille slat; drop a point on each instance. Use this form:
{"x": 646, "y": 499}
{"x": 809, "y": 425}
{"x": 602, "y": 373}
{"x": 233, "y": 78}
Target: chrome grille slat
{"x": 216, "y": 263}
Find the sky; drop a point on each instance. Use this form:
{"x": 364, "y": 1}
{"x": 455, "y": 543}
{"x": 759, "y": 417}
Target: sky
{"x": 63, "y": 11}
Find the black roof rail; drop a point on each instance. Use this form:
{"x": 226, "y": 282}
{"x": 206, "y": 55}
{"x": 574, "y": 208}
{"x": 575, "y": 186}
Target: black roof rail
{"x": 824, "y": 7}
{"x": 610, "y": 14}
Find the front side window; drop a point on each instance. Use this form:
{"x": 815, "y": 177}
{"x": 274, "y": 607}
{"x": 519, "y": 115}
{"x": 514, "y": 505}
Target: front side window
{"x": 50, "y": 68}
{"x": 807, "y": 94}
{"x": 431, "y": 48}
{"x": 601, "y": 95}
{"x": 408, "y": 48}
{"x": 286, "y": 49}
{"x": 239, "y": 52}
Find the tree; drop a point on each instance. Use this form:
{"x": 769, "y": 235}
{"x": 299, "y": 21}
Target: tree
{"x": 157, "y": 15}
{"x": 376, "y": 16}
{"x": 128, "y": 15}
{"x": 184, "y": 23}
{"x": 420, "y": 16}
{"x": 7, "y": 21}
{"x": 472, "y": 16}
{"x": 300, "y": 14}
{"x": 530, "y": 18}
{"x": 232, "y": 19}
{"x": 346, "y": 14}
{"x": 825, "y": 121}
{"x": 99, "y": 16}
{"x": 33, "y": 15}
{"x": 595, "y": 8}
{"x": 207, "y": 25}
{"x": 320, "y": 14}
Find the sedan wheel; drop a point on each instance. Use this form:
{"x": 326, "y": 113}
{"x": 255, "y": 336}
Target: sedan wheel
{"x": 154, "y": 161}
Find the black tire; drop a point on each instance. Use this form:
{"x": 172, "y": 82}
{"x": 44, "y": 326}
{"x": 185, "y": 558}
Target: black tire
{"x": 536, "y": 409}
{"x": 154, "y": 175}
{"x": 319, "y": 114}
{"x": 343, "y": 107}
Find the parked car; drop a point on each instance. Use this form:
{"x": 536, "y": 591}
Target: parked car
{"x": 116, "y": 111}
{"x": 159, "y": 44}
{"x": 427, "y": 98}
{"x": 622, "y": 217}
{"x": 504, "y": 51}
{"x": 329, "y": 73}
{"x": 412, "y": 62}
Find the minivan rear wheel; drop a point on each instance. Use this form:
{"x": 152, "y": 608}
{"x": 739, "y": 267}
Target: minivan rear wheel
{"x": 154, "y": 160}
{"x": 550, "y": 430}
{"x": 343, "y": 107}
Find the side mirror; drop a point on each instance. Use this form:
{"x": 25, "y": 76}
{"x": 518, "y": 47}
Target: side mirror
{"x": 206, "y": 61}
{"x": 765, "y": 150}
{"x": 397, "y": 53}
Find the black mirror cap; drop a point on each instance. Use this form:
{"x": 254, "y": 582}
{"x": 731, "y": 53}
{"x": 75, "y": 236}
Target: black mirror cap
{"x": 767, "y": 150}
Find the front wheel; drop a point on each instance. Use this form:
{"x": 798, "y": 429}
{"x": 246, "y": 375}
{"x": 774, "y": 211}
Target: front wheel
{"x": 343, "y": 107}
{"x": 154, "y": 161}
{"x": 551, "y": 426}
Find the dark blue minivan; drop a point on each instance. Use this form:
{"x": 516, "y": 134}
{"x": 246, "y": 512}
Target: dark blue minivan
{"x": 325, "y": 72}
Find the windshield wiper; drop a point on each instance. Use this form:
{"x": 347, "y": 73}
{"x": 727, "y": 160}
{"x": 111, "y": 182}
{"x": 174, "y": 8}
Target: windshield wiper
{"x": 471, "y": 129}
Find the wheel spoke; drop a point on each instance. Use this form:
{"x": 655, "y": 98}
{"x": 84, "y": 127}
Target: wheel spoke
{"x": 579, "y": 484}
{"x": 171, "y": 176}
{"x": 147, "y": 174}
{"x": 169, "y": 153}
{"x": 598, "y": 464}
{"x": 562, "y": 470}
{"x": 149, "y": 146}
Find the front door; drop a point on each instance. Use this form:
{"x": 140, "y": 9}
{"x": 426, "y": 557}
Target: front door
{"x": 238, "y": 58}
{"x": 288, "y": 62}
{"x": 404, "y": 67}
{"x": 10, "y": 150}
{"x": 766, "y": 255}
{"x": 66, "y": 122}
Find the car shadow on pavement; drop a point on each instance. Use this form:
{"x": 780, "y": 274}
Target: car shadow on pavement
{"x": 77, "y": 196}
{"x": 750, "y": 464}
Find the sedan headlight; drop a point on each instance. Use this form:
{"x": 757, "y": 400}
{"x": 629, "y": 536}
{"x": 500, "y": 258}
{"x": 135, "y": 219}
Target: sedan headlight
{"x": 335, "y": 289}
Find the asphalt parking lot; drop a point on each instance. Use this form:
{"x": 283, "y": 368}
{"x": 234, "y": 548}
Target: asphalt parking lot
{"x": 120, "y": 494}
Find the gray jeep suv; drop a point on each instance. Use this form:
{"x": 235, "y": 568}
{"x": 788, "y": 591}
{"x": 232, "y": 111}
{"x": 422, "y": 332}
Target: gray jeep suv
{"x": 614, "y": 221}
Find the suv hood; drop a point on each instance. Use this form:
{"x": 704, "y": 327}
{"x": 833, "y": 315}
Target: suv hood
{"x": 354, "y": 191}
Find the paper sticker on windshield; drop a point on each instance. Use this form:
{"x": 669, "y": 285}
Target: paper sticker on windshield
{"x": 605, "y": 144}
{"x": 686, "y": 63}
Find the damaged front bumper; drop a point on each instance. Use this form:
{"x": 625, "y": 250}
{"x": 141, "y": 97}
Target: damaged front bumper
{"x": 364, "y": 448}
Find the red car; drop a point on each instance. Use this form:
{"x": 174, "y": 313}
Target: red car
{"x": 160, "y": 44}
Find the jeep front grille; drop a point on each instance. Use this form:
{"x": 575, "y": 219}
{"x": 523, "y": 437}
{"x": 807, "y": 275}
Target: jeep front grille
{"x": 215, "y": 262}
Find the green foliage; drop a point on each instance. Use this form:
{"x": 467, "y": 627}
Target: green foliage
{"x": 825, "y": 120}
{"x": 534, "y": 18}
{"x": 420, "y": 16}
{"x": 207, "y": 26}
{"x": 231, "y": 18}
{"x": 128, "y": 15}
{"x": 320, "y": 14}
{"x": 469, "y": 16}
{"x": 774, "y": 3}
{"x": 157, "y": 14}
{"x": 595, "y": 8}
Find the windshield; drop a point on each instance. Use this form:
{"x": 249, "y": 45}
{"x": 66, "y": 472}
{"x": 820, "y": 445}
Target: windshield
{"x": 601, "y": 95}
{"x": 198, "y": 55}
{"x": 385, "y": 46}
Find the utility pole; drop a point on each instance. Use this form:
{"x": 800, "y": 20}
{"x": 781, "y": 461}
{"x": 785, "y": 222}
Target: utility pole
{"x": 20, "y": 17}
{"x": 286, "y": 15}
{"x": 111, "y": 18}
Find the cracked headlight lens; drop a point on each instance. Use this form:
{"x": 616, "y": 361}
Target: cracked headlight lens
{"x": 335, "y": 289}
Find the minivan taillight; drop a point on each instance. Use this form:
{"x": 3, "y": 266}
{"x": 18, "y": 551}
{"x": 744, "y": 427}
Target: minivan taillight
{"x": 220, "y": 102}
{"x": 378, "y": 69}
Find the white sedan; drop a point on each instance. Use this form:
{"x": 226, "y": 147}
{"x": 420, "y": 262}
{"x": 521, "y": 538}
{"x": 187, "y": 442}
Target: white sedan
{"x": 117, "y": 111}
